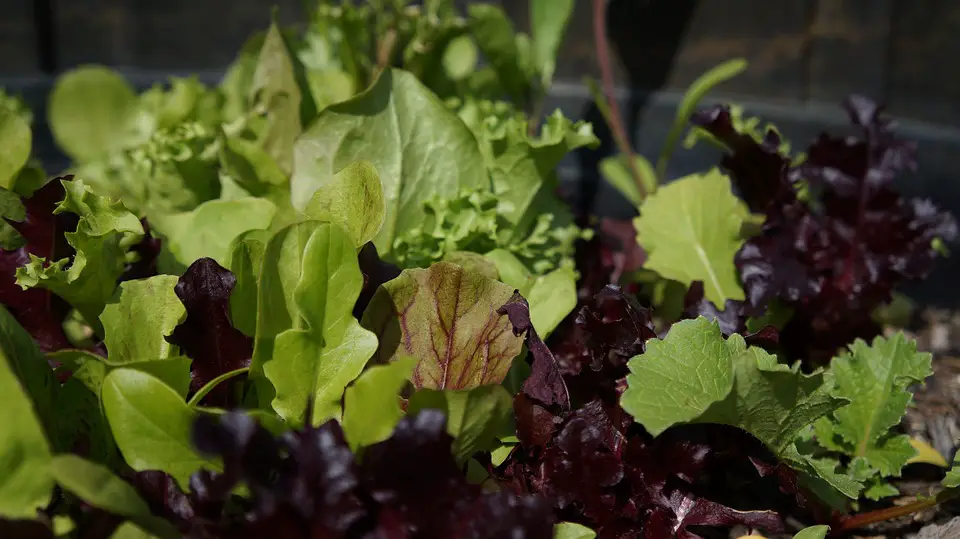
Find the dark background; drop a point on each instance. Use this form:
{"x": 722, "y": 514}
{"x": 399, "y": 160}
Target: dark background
{"x": 805, "y": 56}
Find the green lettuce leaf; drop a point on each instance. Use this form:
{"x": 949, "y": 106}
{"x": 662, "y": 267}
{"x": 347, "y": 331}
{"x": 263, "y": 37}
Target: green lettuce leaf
{"x": 371, "y": 405}
{"x": 572, "y": 530}
{"x": 420, "y": 149}
{"x": 15, "y": 146}
{"x": 690, "y": 230}
{"x": 137, "y": 323}
{"x": 313, "y": 365}
{"x": 952, "y": 479}
{"x": 105, "y": 232}
{"x": 549, "y": 19}
{"x": 246, "y": 262}
{"x": 353, "y": 200}
{"x": 447, "y": 318}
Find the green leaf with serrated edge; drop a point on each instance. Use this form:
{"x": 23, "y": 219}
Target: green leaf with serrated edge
{"x": 420, "y": 149}
{"x": 136, "y": 323}
{"x": 813, "y": 532}
{"x": 952, "y": 479}
{"x": 678, "y": 378}
{"x": 315, "y": 364}
{"x": 277, "y": 309}
{"x": 475, "y": 417}
{"x": 280, "y": 89}
{"x": 353, "y": 199}
{"x": 496, "y": 38}
{"x": 616, "y": 172}
{"x": 105, "y": 232}
{"x": 549, "y": 19}
{"x": 371, "y": 404}
{"x": 690, "y": 230}
{"x": 90, "y": 112}
{"x": 208, "y": 230}
{"x": 30, "y": 368}
{"x": 15, "y": 146}
{"x": 246, "y": 261}
{"x": 875, "y": 378}
{"x": 447, "y": 318}
{"x": 151, "y": 425}
{"x": 692, "y": 98}
{"x": 572, "y": 530}
{"x": 25, "y": 481}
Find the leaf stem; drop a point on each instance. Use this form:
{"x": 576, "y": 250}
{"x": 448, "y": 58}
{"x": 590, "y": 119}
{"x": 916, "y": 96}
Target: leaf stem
{"x": 854, "y": 522}
{"x": 620, "y": 135}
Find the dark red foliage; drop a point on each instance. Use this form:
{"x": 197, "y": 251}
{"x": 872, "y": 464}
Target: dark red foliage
{"x": 206, "y": 335}
{"x": 599, "y": 468}
{"x": 40, "y": 312}
{"x": 609, "y": 257}
{"x": 838, "y": 254}
{"x": 732, "y": 319}
{"x": 307, "y": 484}
{"x": 147, "y": 252}
{"x": 375, "y": 273}
{"x": 545, "y": 383}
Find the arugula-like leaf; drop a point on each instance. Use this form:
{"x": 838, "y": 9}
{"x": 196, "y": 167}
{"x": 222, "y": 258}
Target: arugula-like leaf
{"x": 446, "y": 317}
{"x": 26, "y": 484}
{"x": 151, "y": 424}
{"x": 354, "y": 200}
{"x": 690, "y": 230}
{"x": 311, "y": 367}
{"x": 135, "y": 326}
{"x": 371, "y": 405}
{"x": 105, "y": 233}
{"x": 548, "y": 21}
{"x": 419, "y": 148}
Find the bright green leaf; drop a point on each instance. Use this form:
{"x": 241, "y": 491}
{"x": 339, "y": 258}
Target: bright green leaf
{"x": 618, "y": 174}
{"x": 952, "y": 479}
{"x": 552, "y": 297}
{"x": 475, "y": 417}
{"x": 15, "y": 146}
{"x": 460, "y": 58}
{"x": 353, "y": 199}
{"x": 549, "y": 19}
{"x": 496, "y": 38}
{"x": 137, "y": 324}
{"x": 151, "y": 425}
{"x": 28, "y": 365}
{"x": 96, "y": 485}
{"x": 209, "y": 230}
{"x": 315, "y": 364}
{"x": 572, "y": 530}
{"x": 25, "y": 481}
{"x": 420, "y": 149}
{"x": 926, "y": 454}
{"x": 246, "y": 261}
{"x": 447, "y": 318}
{"x": 690, "y": 230}
{"x": 813, "y": 532}
{"x": 473, "y": 262}
{"x": 208, "y": 387}
{"x": 371, "y": 407}
{"x": 91, "y": 111}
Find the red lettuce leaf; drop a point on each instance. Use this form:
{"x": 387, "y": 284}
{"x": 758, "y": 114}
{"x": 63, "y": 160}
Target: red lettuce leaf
{"x": 545, "y": 383}
{"x": 207, "y": 335}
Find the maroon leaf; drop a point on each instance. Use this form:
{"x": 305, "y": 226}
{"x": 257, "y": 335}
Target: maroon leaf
{"x": 545, "y": 384}
{"x": 375, "y": 273}
{"x": 206, "y": 335}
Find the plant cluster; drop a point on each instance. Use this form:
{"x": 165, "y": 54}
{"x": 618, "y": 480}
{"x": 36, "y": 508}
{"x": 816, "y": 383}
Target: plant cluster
{"x": 337, "y": 295}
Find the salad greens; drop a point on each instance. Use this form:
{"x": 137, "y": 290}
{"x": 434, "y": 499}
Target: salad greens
{"x": 337, "y": 295}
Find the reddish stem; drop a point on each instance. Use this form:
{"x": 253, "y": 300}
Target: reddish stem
{"x": 606, "y": 78}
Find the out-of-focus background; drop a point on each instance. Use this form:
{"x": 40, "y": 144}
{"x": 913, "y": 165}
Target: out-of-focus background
{"x": 804, "y": 55}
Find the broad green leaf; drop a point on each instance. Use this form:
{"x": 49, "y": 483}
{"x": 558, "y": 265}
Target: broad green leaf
{"x": 552, "y": 297}
{"x": 25, "y": 480}
{"x": 549, "y": 19}
{"x": 209, "y": 230}
{"x": 90, "y": 112}
{"x": 278, "y": 88}
{"x": 460, "y": 58}
{"x": 90, "y": 369}
{"x": 420, "y": 149}
{"x": 30, "y": 368}
{"x": 105, "y": 232}
{"x": 475, "y": 417}
{"x": 315, "y": 364}
{"x": 617, "y": 173}
{"x": 15, "y": 146}
{"x": 447, "y": 318}
{"x": 80, "y": 420}
{"x": 137, "y": 324}
{"x": 572, "y": 530}
{"x": 246, "y": 261}
{"x": 371, "y": 405}
{"x": 96, "y": 485}
{"x": 677, "y": 379}
{"x": 473, "y": 262}
{"x": 813, "y": 532}
{"x": 253, "y": 168}
{"x": 496, "y": 38}
{"x": 692, "y": 98}
{"x": 511, "y": 271}
{"x": 151, "y": 425}
{"x": 277, "y": 309}
{"x": 690, "y": 230}
{"x": 353, "y": 200}
{"x": 875, "y": 378}
{"x": 952, "y": 479}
